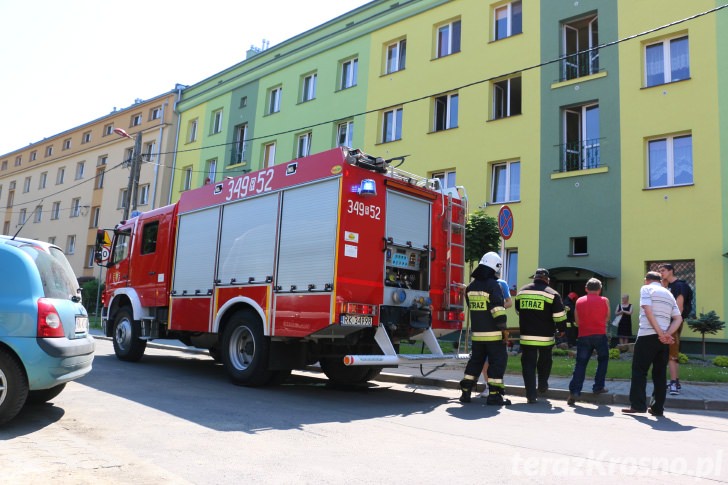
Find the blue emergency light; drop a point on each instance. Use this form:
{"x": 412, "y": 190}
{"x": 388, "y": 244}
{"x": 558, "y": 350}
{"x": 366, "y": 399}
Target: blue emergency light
{"x": 367, "y": 187}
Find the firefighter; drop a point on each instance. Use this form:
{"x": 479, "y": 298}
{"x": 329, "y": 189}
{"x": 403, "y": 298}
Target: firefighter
{"x": 488, "y": 323}
{"x": 540, "y": 314}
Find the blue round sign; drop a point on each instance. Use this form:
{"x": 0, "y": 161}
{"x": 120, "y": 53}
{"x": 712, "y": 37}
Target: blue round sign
{"x": 505, "y": 222}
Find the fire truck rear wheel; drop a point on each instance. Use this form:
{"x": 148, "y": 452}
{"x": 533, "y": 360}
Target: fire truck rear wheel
{"x": 245, "y": 350}
{"x": 341, "y": 374}
{"x": 127, "y": 344}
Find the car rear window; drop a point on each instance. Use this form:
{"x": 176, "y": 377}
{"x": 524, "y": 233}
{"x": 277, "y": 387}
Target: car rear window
{"x": 56, "y": 273}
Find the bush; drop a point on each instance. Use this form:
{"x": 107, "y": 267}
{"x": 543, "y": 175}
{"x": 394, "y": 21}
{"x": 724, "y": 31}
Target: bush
{"x": 721, "y": 361}
{"x": 682, "y": 358}
{"x": 614, "y": 354}
{"x": 559, "y": 352}
{"x": 90, "y": 292}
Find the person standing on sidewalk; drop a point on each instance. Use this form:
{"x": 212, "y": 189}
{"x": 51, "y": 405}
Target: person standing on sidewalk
{"x": 484, "y": 297}
{"x": 540, "y": 312}
{"x": 571, "y": 330}
{"x": 684, "y": 297}
{"x": 592, "y": 315}
{"x": 659, "y": 319}
{"x": 507, "y": 303}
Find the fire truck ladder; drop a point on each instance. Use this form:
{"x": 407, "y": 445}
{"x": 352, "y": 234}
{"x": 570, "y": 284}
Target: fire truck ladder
{"x": 455, "y": 224}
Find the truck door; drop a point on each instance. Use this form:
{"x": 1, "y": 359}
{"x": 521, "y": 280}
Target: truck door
{"x": 150, "y": 272}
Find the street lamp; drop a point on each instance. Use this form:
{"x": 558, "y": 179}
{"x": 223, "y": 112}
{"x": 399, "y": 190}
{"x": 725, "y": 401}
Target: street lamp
{"x": 136, "y": 164}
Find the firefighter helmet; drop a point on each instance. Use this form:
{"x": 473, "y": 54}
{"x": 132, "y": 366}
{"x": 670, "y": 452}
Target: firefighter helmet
{"x": 492, "y": 260}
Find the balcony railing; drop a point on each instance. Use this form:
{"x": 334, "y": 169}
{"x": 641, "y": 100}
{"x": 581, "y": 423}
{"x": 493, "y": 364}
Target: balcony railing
{"x": 579, "y": 65}
{"x": 580, "y": 155}
{"x": 237, "y": 155}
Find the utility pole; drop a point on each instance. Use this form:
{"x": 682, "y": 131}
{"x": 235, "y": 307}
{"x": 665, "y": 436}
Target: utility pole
{"x": 135, "y": 169}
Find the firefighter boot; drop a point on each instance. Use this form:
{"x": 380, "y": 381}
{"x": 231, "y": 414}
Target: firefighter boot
{"x": 466, "y": 385}
{"x": 495, "y": 398}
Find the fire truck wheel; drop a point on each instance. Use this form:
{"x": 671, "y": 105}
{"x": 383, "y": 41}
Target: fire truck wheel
{"x": 341, "y": 374}
{"x": 127, "y": 344}
{"x": 245, "y": 350}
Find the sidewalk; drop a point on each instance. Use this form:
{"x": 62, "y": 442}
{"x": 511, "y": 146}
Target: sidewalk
{"x": 698, "y": 395}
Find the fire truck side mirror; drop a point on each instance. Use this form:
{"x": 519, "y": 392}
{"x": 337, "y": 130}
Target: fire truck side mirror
{"x": 102, "y": 247}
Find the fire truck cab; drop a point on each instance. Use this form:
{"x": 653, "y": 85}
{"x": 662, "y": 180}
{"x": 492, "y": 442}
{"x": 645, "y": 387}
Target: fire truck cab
{"x": 332, "y": 258}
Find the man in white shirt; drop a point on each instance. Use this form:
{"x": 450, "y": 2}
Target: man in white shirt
{"x": 659, "y": 319}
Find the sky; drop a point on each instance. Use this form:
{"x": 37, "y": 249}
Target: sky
{"x": 67, "y": 62}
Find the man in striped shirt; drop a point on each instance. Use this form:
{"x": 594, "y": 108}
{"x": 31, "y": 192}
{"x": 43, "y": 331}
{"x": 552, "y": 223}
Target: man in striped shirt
{"x": 659, "y": 319}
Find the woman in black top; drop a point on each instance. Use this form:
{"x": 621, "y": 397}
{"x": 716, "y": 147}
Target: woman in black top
{"x": 624, "y": 330}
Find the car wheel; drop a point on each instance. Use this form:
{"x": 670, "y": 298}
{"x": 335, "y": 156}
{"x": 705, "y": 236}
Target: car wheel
{"x": 44, "y": 395}
{"x": 13, "y": 387}
{"x": 245, "y": 350}
{"x": 127, "y": 344}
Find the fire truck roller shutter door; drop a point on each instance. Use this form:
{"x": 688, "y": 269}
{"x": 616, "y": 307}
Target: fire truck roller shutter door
{"x": 408, "y": 219}
{"x": 196, "y": 250}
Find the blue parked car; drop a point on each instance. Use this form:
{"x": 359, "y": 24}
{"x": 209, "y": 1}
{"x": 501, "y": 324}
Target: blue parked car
{"x": 44, "y": 338}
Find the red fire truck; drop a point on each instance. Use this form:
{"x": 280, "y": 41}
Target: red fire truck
{"x": 332, "y": 258}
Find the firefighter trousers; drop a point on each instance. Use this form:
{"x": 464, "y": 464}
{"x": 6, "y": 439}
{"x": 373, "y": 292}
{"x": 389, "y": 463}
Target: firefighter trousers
{"x": 497, "y": 356}
{"x": 536, "y": 360}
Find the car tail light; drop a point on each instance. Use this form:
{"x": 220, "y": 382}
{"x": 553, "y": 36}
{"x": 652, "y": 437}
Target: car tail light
{"x": 49, "y": 321}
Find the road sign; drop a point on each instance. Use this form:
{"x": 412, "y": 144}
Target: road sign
{"x": 505, "y": 222}
{"x": 105, "y": 253}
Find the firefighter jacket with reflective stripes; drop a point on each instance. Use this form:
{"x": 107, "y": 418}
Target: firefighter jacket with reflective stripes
{"x": 487, "y": 313}
{"x": 540, "y": 313}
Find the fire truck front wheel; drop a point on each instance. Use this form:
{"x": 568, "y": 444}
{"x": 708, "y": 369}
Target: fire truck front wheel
{"x": 127, "y": 344}
{"x": 245, "y": 350}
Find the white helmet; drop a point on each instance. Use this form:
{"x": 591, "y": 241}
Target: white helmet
{"x": 492, "y": 260}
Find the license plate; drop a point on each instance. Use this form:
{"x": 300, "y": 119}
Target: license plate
{"x": 360, "y": 320}
{"x": 81, "y": 324}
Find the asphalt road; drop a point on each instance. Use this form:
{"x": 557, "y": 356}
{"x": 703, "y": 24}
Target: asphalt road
{"x": 175, "y": 418}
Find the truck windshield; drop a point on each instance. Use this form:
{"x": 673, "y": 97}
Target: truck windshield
{"x": 56, "y": 273}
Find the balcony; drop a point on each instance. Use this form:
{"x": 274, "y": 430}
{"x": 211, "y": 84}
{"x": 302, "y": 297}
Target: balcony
{"x": 580, "y": 155}
{"x": 237, "y": 156}
{"x": 579, "y": 65}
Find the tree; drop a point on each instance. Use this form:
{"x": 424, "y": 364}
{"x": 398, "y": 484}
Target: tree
{"x": 707, "y": 323}
{"x": 481, "y": 236}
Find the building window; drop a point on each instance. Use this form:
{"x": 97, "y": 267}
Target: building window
{"x": 86, "y": 137}
{"x": 155, "y": 113}
{"x": 148, "y": 152}
{"x": 445, "y": 112}
{"x": 90, "y": 256}
{"x": 95, "y": 215}
{"x": 143, "y": 197}
{"x": 43, "y": 180}
{"x": 269, "y": 154}
{"x": 192, "y": 131}
{"x": 128, "y": 155}
{"x": 121, "y": 203}
{"x": 308, "y": 88}
{"x": 136, "y": 120}
{"x": 66, "y": 144}
{"x": 578, "y": 36}
{"x": 26, "y": 185}
{"x": 80, "y": 167}
{"x": 508, "y": 20}
{"x": 102, "y": 160}
{"x": 60, "y": 175}
{"x": 49, "y": 151}
{"x": 33, "y": 156}
{"x": 345, "y": 134}
{"x": 211, "y": 170}
{"x": 76, "y": 207}
{"x": 108, "y": 129}
{"x": 396, "y": 56}
{"x": 274, "y": 99}
{"x": 446, "y": 178}
{"x": 55, "y": 210}
{"x": 670, "y": 161}
{"x": 241, "y": 144}
{"x": 448, "y": 39}
{"x": 22, "y": 216}
{"x": 11, "y": 195}
{"x": 187, "y": 179}
{"x": 507, "y": 98}
{"x": 99, "y": 182}
{"x": 511, "y": 269}
{"x": 392, "y": 125}
{"x": 579, "y": 246}
{"x": 4, "y": 165}
{"x": 38, "y": 213}
{"x": 71, "y": 244}
{"x": 667, "y": 61}
{"x": 52, "y": 240}
{"x": 243, "y": 102}
{"x": 303, "y": 145}
{"x": 18, "y": 160}
{"x": 6, "y": 228}
{"x": 506, "y": 182}
{"x": 349, "y": 72}
{"x": 217, "y": 121}
{"x": 580, "y": 150}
